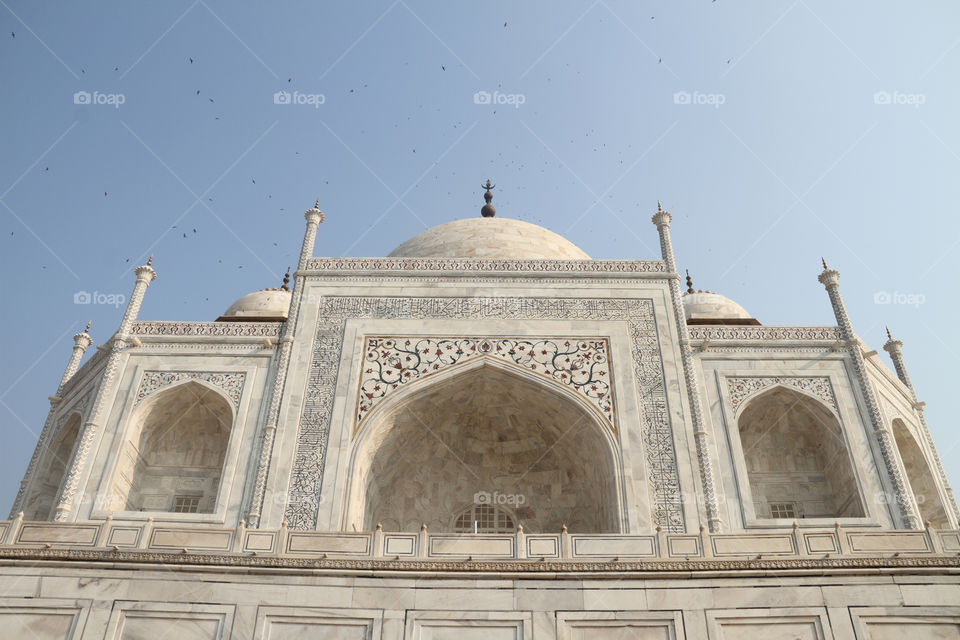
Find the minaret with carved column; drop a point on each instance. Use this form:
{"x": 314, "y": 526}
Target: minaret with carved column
{"x": 895, "y": 349}
{"x": 313, "y": 217}
{"x": 908, "y": 512}
{"x": 662, "y": 220}
{"x": 81, "y": 341}
{"x": 76, "y": 468}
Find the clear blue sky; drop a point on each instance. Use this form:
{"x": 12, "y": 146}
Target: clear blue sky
{"x": 782, "y": 155}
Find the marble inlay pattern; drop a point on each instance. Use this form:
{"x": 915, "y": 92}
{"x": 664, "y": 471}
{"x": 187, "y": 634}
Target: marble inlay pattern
{"x": 581, "y": 364}
{"x": 152, "y": 381}
{"x": 309, "y": 459}
{"x": 739, "y": 389}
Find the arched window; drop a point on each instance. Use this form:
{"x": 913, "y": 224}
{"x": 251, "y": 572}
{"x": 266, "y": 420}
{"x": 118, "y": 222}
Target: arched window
{"x": 486, "y": 429}
{"x": 173, "y": 458}
{"x": 484, "y": 518}
{"x": 921, "y": 480}
{"x": 798, "y": 464}
{"x": 49, "y": 476}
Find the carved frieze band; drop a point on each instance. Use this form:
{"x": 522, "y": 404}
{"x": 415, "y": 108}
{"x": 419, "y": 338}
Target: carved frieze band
{"x": 152, "y": 381}
{"x": 580, "y": 364}
{"x": 739, "y": 389}
{"x": 485, "y": 264}
{"x": 724, "y": 332}
{"x": 240, "y": 329}
{"x": 309, "y": 458}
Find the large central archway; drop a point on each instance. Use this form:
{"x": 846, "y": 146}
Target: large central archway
{"x": 485, "y": 447}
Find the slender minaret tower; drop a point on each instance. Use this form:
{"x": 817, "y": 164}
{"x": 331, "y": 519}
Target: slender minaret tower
{"x": 313, "y": 217}
{"x": 895, "y": 349}
{"x": 662, "y": 220}
{"x": 830, "y": 278}
{"x": 76, "y": 468}
{"x": 81, "y": 341}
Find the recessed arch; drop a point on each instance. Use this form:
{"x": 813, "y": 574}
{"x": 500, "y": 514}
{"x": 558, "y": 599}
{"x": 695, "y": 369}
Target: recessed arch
{"x": 52, "y": 470}
{"x": 173, "y": 454}
{"x": 921, "y": 479}
{"x": 485, "y": 430}
{"x": 797, "y": 459}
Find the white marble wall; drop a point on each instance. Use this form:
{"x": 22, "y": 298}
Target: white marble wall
{"x": 62, "y": 601}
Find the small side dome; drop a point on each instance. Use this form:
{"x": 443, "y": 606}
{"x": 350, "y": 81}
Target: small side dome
{"x": 706, "y": 307}
{"x": 268, "y": 305}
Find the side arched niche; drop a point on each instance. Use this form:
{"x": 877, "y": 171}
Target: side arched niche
{"x": 485, "y": 433}
{"x": 172, "y": 458}
{"x": 52, "y": 469}
{"x": 921, "y": 479}
{"x": 797, "y": 460}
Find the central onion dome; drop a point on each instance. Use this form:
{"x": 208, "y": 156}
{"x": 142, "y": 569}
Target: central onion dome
{"x": 489, "y": 237}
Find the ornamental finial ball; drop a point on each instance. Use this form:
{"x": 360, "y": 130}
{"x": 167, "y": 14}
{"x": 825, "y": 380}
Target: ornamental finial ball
{"x": 316, "y": 205}
{"x": 488, "y": 210}
{"x": 286, "y": 281}
{"x": 689, "y": 283}
{"x": 87, "y": 329}
{"x": 659, "y": 207}
{"x": 825, "y": 267}
{"x": 150, "y": 260}
{"x": 889, "y": 336}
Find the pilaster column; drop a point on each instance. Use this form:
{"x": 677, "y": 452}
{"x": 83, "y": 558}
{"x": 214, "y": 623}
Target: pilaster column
{"x": 830, "y": 280}
{"x": 76, "y": 468}
{"x": 81, "y": 341}
{"x": 895, "y": 349}
{"x": 662, "y": 220}
{"x": 313, "y": 217}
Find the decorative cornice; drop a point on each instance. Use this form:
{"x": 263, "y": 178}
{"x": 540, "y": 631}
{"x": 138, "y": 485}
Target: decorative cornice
{"x": 738, "y": 333}
{"x": 485, "y": 264}
{"x": 559, "y": 569}
{"x": 250, "y": 329}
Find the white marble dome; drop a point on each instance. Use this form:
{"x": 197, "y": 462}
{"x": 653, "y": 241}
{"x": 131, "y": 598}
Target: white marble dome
{"x": 264, "y": 305}
{"x": 489, "y": 238}
{"x": 706, "y": 305}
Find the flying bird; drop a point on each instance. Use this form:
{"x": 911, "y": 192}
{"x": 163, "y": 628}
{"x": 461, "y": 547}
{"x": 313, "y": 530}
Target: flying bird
{"x": 443, "y": 68}
{"x": 191, "y": 60}
{"x": 504, "y": 25}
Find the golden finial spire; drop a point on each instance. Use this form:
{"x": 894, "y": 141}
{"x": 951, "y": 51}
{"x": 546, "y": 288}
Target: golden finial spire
{"x": 316, "y": 205}
{"x": 689, "y": 283}
{"x": 889, "y": 337}
{"x": 87, "y": 329}
{"x": 825, "y": 267}
{"x": 487, "y": 210}
{"x": 286, "y": 281}
{"x": 659, "y": 207}
{"x": 150, "y": 260}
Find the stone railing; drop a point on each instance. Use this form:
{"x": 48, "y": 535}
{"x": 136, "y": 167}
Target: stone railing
{"x": 760, "y": 545}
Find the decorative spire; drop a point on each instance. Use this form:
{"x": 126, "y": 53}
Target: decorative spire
{"x": 825, "y": 267}
{"x": 316, "y": 205}
{"x": 286, "y": 281}
{"x": 150, "y": 260}
{"x": 689, "y": 283}
{"x": 889, "y": 337}
{"x": 488, "y": 211}
{"x": 659, "y": 206}
{"x": 87, "y": 329}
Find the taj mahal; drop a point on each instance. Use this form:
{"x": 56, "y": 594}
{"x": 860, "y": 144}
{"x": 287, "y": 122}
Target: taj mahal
{"x": 484, "y": 435}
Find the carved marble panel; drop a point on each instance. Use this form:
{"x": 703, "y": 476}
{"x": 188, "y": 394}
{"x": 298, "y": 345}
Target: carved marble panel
{"x": 739, "y": 389}
{"x": 230, "y": 383}
{"x": 580, "y": 364}
{"x": 309, "y": 458}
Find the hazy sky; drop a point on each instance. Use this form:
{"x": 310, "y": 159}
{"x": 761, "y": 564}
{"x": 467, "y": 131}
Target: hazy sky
{"x": 775, "y": 132}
